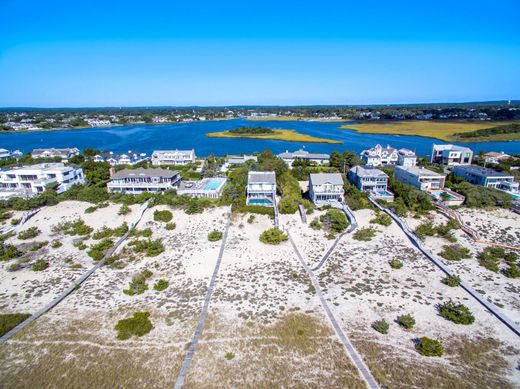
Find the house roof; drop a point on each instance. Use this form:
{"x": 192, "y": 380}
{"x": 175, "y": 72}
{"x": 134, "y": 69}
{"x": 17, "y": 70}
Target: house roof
{"x": 304, "y": 154}
{"x": 141, "y": 172}
{"x": 325, "y": 178}
{"x": 368, "y": 171}
{"x": 480, "y": 171}
{"x": 261, "y": 177}
{"x": 420, "y": 171}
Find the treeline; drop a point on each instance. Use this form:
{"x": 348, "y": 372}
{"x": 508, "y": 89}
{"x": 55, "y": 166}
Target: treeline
{"x": 485, "y": 132}
{"x": 251, "y": 131}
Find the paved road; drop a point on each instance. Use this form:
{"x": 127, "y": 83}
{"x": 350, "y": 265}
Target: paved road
{"x": 202, "y": 318}
{"x": 477, "y": 296}
{"x": 352, "y": 352}
{"x": 78, "y": 282}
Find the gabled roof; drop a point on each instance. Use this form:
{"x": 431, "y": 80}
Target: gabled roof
{"x": 368, "y": 171}
{"x": 261, "y": 177}
{"x": 480, "y": 171}
{"x": 325, "y": 178}
{"x": 304, "y": 154}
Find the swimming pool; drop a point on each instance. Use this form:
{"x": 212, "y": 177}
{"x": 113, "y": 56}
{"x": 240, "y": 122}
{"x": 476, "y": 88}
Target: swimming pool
{"x": 383, "y": 193}
{"x": 214, "y": 183}
{"x": 260, "y": 202}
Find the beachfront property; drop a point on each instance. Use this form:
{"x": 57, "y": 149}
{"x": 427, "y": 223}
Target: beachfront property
{"x": 489, "y": 178}
{"x": 65, "y": 153}
{"x": 173, "y": 157}
{"x": 325, "y": 187}
{"x": 261, "y": 189}
{"x": 406, "y": 157}
{"x": 207, "y": 187}
{"x": 379, "y": 155}
{"x": 27, "y": 181}
{"x": 130, "y": 158}
{"x": 290, "y": 157}
{"x": 135, "y": 181}
{"x": 451, "y": 155}
{"x": 6, "y": 154}
{"x": 494, "y": 157}
{"x": 419, "y": 177}
{"x": 370, "y": 179}
{"x": 236, "y": 160}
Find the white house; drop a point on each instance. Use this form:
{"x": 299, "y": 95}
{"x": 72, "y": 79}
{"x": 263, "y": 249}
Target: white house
{"x": 290, "y": 157}
{"x": 173, "y": 157}
{"x": 261, "y": 188}
{"x": 130, "y": 158}
{"x": 451, "y": 155}
{"x": 379, "y": 155}
{"x": 207, "y": 187}
{"x": 30, "y": 180}
{"x": 135, "y": 181}
{"x": 6, "y": 154}
{"x": 406, "y": 157}
{"x": 53, "y": 153}
{"x": 325, "y": 187}
{"x": 494, "y": 157}
{"x": 419, "y": 177}
{"x": 240, "y": 159}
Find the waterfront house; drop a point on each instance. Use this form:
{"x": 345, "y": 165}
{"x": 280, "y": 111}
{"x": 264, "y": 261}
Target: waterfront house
{"x": 494, "y": 157}
{"x": 406, "y": 157}
{"x": 261, "y": 188}
{"x": 173, "y": 157}
{"x": 130, "y": 158}
{"x": 370, "y": 179}
{"x": 419, "y": 177}
{"x": 451, "y": 155}
{"x": 489, "y": 178}
{"x": 64, "y": 154}
{"x": 325, "y": 187}
{"x": 207, "y": 187}
{"x": 290, "y": 157}
{"x": 236, "y": 160}
{"x": 379, "y": 155}
{"x": 135, "y": 181}
{"x": 6, "y": 154}
{"x": 27, "y": 181}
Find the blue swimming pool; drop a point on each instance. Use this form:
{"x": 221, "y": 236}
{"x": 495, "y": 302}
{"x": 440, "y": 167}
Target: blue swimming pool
{"x": 260, "y": 202}
{"x": 214, "y": 183}
{"x": 383, "y": 193}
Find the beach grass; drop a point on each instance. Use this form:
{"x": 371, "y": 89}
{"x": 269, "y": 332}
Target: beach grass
{"x": 278, "y": 134}
{"x": 433, "y": 129}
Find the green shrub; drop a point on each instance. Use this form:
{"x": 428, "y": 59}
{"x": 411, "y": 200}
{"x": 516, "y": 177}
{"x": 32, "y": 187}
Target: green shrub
{"x": 406, "y": 321}
{"x": 382, "y": 219}
{"x": 80, "y": 245}
{"x": 161, "y": 285}
{"x": 29, "y": 233}
{"x": 489, "y": 261}
{"x": 102, "y": 233}
{"x": 124, "y": 210}
{"x": 455, "y": 312}
{"x": 39, "y": 245}
{"x": 91, "y": 209}
{"x": 442, "y": 230}
{"x": 512, "y": 272}
{"x": 395, "y": 264}
{"x": 381, "y": 326}
{"x": 138, "y": 284}
{"x": 452, "y": 281}
{"x": 75, "y": 227}
{"x": 335, "y": 220}
{"x": 291, "y": 193}
{"x": 425, "y": 229}
{"x": 510, "y": 257}
{"x": 151, "y": 248}
{"x": 17, "y": 265}
{"x": 273, "y": 236}
{"x": 98, "y": 251}
{"x": 364, "y": 234}
{"x": 162, "y": 216}
{"x": 138, "y": 325}
{"x": 56, "y": 244}
{"x": 429, "y": 347}
{"x": 455, "y": 252}
{"x": 229, "y": 356}
{"x": 214, "y": 236}
{"x": 8, "y": 252}
{"x": 40, "y": 265}
{"x": 114, "y": 262}
{"x": 145, "y": 233}
{"x": 170, "y": 226}
{"x": 197, "y": 205}
{"x": 15, "y": 222}
{"x": 10, "y": 320}
{"x": 315, "y": 224}
{"x": 251, "y": 219}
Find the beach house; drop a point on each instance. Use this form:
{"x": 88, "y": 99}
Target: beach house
{"x": 261, "y": 189}
{"x": 489, "y": 178}
{"x": 65, "y": 153}
{"x": 207, "y": 187}
{"x": 406, "y": 157}
{"x": 173, "y": 157}
{"x": 290, "y": 157}
{"x": 379, "y": 155}
{"x": 325, "y": 187}
{"x": 135, "y": 181}
{"x": 6, "y": 154}
{"x": 27, "y": 181}
{"x": 236, "y": 160}
{"x": 494, "y": 157}
{"x": 370, "y": 179}
{"x": 419, "y": 177}
{"x": 129, "y": 158}
{"x": 451, "y": 155}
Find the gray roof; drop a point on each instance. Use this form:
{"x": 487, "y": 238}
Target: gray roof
{"x": 368, "y": 171}
{"x": 261, "y": 177}
{"x": 420, "y": 171}
{"x": 304, "y": 154}
{"x": 141, "y": 172}
{"x": 480, "y": 171}
{"x": 325, "y": 178}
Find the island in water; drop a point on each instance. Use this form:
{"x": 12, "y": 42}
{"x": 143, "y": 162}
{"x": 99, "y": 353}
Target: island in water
{"x": 269, "y": 133}
{"x": 448, "y": 131}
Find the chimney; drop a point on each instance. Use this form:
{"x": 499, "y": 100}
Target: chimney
{"x": 111, "y": 171}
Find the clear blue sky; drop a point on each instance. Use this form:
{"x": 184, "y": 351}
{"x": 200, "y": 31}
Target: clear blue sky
{"x": 128, "y": 53}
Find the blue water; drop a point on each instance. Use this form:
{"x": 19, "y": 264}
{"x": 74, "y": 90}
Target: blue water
{"x": 192, "y": 135}
{"x": 260, "y": 202}
{"x": 214, "y": 184}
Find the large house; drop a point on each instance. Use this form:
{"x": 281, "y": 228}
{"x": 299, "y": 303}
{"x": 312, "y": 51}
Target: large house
{"x": 53, "y": 153}
{"x": 290, "y": 157}
{"x": 379, "y": 155}
{"x": 406, "y": 157}
{"x": 130, "y": 158}
{"x": 173, "y": 157}
{"x": 325, "y": 187}
{"x": 6, "y": 154}
{"x": 486, "y": 177}
{"x": 451, "y": 155}
{"x": 370, "y": 179}
{"x": 27, "y": 181}
{"x": 207, "y": 187}
{"x": 419, "y": 177}
{"x": 494, "y": 157}
{"x": 237, "y": 160}
{"x": 135, "y": 181}
{"x": 261, "y": 188}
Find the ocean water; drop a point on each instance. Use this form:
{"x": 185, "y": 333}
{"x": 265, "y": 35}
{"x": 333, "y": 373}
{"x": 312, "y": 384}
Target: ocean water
{"x": 146, "y": 138}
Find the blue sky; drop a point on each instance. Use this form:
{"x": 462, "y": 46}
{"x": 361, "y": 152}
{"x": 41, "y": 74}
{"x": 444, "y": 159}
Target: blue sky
{"x": 129, "y": 53}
